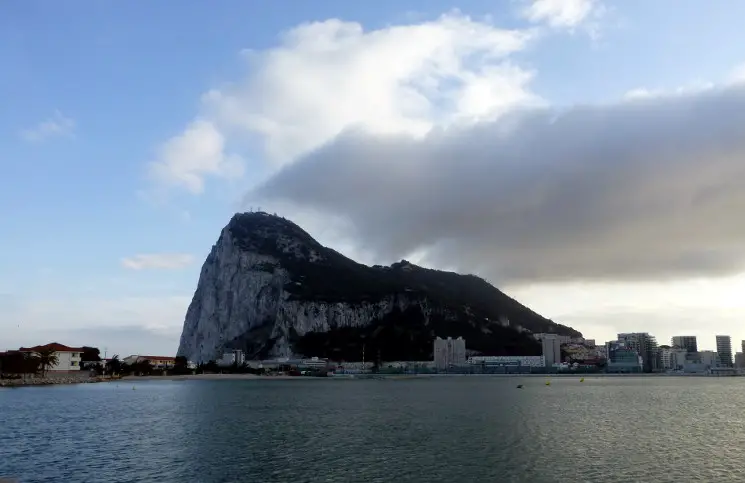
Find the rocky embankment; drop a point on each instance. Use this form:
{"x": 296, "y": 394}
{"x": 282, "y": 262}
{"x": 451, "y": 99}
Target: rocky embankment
{"x": 47, "y": 381}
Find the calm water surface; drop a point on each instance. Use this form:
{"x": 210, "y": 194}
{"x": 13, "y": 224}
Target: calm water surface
{"x": 473, "y": 429}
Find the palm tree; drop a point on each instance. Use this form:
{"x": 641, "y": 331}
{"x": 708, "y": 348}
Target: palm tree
{"x": 114, "y": 366}
{"x": 47, "y": 359}
{"x": 31, "y": 363}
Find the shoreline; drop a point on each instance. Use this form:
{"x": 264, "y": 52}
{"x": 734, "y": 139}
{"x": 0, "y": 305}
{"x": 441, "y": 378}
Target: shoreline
{"x": 14, "y": 383}
{"x": 255, "y": 377}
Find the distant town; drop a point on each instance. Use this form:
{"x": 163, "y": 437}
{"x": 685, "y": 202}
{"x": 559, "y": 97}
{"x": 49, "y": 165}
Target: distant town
{"x": 630, "y": 353}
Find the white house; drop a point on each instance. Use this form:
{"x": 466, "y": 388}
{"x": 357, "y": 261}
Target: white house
{"x": 68, "y": 358}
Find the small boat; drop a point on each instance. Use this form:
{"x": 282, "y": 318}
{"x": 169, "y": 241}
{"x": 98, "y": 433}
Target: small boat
{"x": 519, "y": 386}
{"x": 582, "y": 380}
{"x": 548, "y": 383}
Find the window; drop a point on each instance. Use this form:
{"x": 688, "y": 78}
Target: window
{"x": 74, "y": 363}
{"x": 74, "y": 354}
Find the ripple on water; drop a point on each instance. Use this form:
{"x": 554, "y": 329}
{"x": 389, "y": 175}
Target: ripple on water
{"x": 466, "y": 429}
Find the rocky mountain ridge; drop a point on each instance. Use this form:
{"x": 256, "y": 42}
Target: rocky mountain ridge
{"x": 268, "y": 288}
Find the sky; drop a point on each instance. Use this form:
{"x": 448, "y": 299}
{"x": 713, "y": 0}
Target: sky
{"x": 583, "y": 156}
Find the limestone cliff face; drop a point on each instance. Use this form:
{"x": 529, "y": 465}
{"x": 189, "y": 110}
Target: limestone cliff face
{"x": 270, "y": 289}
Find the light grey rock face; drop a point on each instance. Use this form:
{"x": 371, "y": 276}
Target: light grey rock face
{"x": 240, "y": 290}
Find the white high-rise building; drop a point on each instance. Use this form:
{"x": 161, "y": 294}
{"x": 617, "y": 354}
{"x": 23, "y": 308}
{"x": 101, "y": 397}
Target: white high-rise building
{"x": 551, "y": 344}
{"x": 448, "y": 352}
{"x": 666, "y": 357}
{"x": 724, "y": 349}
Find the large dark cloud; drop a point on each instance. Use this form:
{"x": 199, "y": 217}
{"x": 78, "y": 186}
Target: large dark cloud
{"x": 645, "y": 189}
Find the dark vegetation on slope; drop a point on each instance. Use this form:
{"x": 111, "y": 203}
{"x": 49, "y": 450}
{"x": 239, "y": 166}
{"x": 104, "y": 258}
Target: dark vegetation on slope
{"x": 403, "y": 335}
{"x": 468, "y": 305}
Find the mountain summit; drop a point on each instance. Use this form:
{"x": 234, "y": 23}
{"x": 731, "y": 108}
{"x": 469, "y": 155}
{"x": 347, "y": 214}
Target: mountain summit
{"x": 268, "y": 288}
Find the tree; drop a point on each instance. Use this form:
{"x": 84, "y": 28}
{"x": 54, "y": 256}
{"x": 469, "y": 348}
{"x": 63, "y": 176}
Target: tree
{"x": 181, "y": 365}
{"x": 211, "y": 366}
{"x": 142, "y": 368}
{"x": 90, "y": 354}
{"x": 47, "y": 359}
{"x": 30, "y": 363}
{"x": 114, "y": 365}
{"x": 19, "y": 363}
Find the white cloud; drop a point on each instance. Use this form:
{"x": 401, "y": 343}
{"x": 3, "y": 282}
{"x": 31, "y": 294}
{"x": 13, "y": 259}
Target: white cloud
{"x": 327, "y": 77}
{"x": 56, "y": 126}
{"x": 158, "y": 261}
{"x": 185, "y": 160}
{"x": 687, "y": 89}
{"x": 560, "y": 13}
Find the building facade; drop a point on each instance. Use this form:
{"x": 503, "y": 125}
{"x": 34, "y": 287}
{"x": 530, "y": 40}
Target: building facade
{"x": 551, "y": 345}
{"x": 646, "y": 346}
{"x": 523, "y": 361}
{"x": 68, "y": 358}
{"x": 231, "y": 357}
{"x": 724, "y": 349}
{"x": 622, "y": 358}
{"x": 687, "y": 342}
{"x": 678, "y": 358}
{"x": 449, "y": 352}
{"x": 709, "y": 359}
{"x": 740, "y": 360}
{"x": 666, "y": 357}
{"x": 158, "y": 362}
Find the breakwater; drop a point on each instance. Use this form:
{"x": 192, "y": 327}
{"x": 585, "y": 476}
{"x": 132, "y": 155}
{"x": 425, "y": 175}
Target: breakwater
{"x": 49, "y": 380}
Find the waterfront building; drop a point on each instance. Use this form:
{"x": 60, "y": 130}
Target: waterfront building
{"x": 523, "y": 361}
{"x": 666, "y": 357}
{"x": 449, "y": 352}
{"x": 687, "y": 342}
{"x": 551, "y": 345}
{"x": 646, "y": 346}
{"x": 232, "y": 356}
{"x": 623, "y": 358}
{"x": 740, "y": 360}
{"x": 724, "y": 348}
{"x": 68, "y": 358}
{"x": 709, "y": 359}
{"x": 678, "y": 358}
{"x": 314, "y": 363}
{"x": 158, "y": 362}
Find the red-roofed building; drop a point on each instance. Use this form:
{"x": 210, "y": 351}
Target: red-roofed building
{"x": 68, "y": 358}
